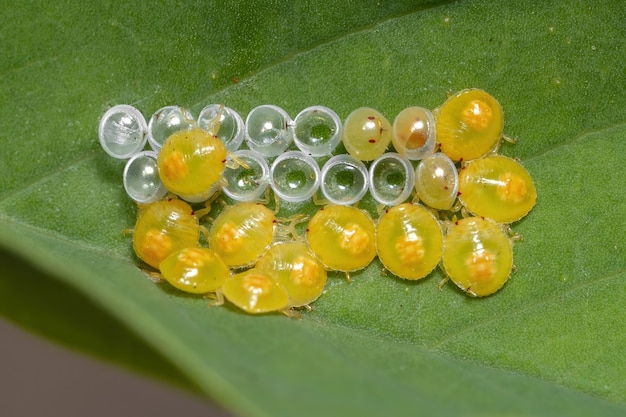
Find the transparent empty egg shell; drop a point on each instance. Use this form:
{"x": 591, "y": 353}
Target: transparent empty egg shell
{"x": 391, "y": 179}
{"x": 414, "y": 135}
{"x": 231, "y": 125}
{"x": 247, "y": 182}
{"x": 344, "y": 180}
{"x": 166, "y": 121}
{"x": 437, "y": 181}
{"x": 268, "y": 130}
{"x": 122, "y": 131}
{"x": 366, "y": 134}
{"x": 295, "y": 176}
{"x": 141, "y": 178}
{"x": 317, "y": 131}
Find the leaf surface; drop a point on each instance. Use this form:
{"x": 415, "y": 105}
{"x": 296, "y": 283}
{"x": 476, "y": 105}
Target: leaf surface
{"x": 550, "y": 343}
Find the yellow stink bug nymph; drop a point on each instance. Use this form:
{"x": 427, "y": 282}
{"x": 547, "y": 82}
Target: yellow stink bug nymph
{"x": 163, "y": 228}
{"x": 192, "y": 161}
{"x": 256, "y": 291}
{"x": 296, "y": 268}
{"x": 242, "y": 233}
{"x": 342, "y": 237}
{"x": 478, "y": 255}
{"x": 497, "y": 187}
{"x": 409, "y": 241}
{"x": 469, "y": 124}
{"x": 195, "y": 270}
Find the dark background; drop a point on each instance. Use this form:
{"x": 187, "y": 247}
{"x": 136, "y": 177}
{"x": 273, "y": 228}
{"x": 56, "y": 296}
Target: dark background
{"x": 40, "y": 378}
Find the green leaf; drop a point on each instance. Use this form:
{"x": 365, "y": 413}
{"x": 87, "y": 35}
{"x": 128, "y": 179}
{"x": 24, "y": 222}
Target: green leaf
{"x": 550, "y": 343}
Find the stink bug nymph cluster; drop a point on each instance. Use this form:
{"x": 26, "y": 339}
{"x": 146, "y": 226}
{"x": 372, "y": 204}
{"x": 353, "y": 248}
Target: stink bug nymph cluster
{"x": 446, "y": 197}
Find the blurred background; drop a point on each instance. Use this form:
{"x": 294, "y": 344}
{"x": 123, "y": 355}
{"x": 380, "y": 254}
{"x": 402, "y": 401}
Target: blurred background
{"x": 40, "y": 378}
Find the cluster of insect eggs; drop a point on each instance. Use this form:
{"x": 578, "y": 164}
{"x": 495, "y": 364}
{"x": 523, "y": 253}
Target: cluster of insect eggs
{"x": 475, "y": 251}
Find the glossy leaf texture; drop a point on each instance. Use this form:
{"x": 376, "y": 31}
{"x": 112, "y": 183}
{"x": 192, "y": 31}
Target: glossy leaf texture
{"x": 550, "y": 343}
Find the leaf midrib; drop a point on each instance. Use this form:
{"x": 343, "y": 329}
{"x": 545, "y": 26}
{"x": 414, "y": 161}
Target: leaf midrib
{"x": 575, "y": 139}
